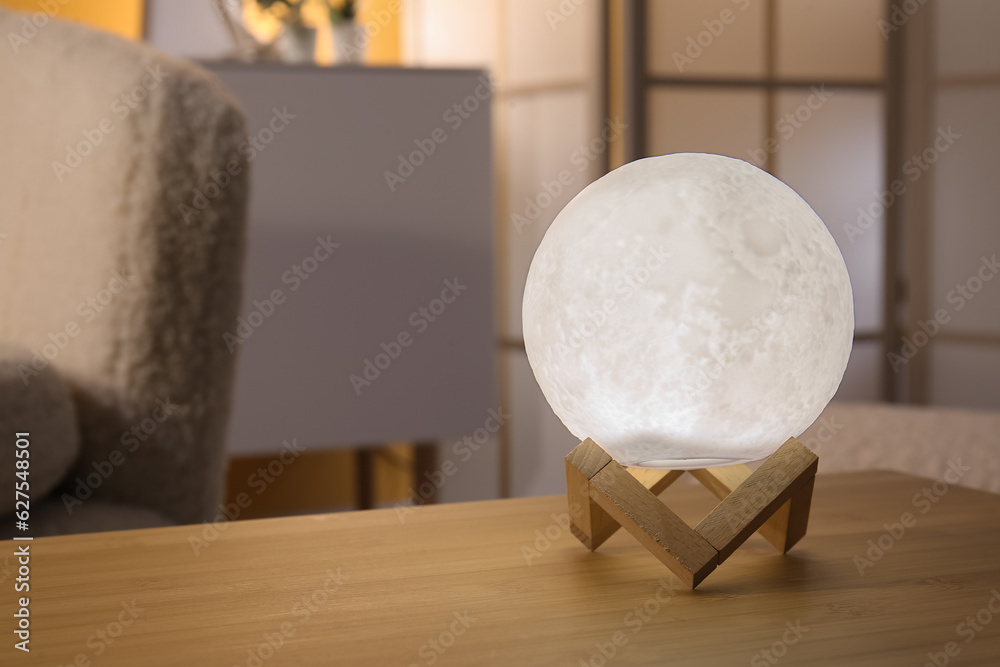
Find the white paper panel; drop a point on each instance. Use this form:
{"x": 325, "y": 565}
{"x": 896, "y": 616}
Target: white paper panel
{"x": 451, "y": 33}
{"x": 724, "y": 121}
{"x": 539, "y": 441}
{"x": 862, "y": 379}
{"x": 966, "y": 201}
{"x": 824, "y": 39}
{"x": 551, "y": 41}
{"x": 965, "y": 375}
{"x": 548, "y": 137}
{"x": 719, "y": 38}
{"x": 833, "y": 156}
{"x": 966, "y": 33}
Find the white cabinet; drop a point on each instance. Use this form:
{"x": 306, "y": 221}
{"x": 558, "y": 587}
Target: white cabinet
{"x": 404, "y": 303}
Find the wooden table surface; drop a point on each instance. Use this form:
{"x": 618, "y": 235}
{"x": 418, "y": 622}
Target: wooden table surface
{"x": 504, "y": 583}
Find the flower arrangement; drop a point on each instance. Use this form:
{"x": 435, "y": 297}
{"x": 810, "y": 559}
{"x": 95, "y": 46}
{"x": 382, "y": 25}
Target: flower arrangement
{"x": 286, "y": 11}
{"x": 299, "y": 20}
{"x": 346, "y": 13}
{"x": 291, "y": 11}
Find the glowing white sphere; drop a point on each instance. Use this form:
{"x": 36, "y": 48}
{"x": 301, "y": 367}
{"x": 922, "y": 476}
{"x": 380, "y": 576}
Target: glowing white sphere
{"x": 688, "y": 311}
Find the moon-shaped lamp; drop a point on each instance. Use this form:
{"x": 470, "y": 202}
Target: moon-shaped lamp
{"x": 688, "y": 311}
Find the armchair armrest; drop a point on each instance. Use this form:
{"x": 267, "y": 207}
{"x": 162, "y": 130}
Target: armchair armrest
{"x": 38, "y": 403}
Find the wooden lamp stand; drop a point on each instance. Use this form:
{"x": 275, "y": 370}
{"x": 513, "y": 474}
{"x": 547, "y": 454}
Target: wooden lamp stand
{"x": 774, "y": 499}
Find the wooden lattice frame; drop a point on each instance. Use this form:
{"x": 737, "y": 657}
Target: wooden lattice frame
{"x": 774, "y": 499}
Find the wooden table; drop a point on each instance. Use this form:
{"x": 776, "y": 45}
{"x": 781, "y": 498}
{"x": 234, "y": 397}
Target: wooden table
{"x": 504, "y": 583}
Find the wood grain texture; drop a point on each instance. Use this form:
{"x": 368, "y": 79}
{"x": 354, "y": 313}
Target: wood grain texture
{"x": 591, "y": 524}
{"x": 688, "y": 555}
{"x": 797, "y": 509}
{"x": 723, "y": 480}
{"x": 746, "y": 509}
{"x": 775, "y": 529}
{"x": 588, "y": 457}
{"x": 751, "y": 501}
{"x": 535, "y": 601}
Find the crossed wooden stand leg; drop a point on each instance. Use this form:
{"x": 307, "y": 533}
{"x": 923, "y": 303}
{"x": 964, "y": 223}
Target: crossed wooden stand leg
{"x": 773, "y": 499}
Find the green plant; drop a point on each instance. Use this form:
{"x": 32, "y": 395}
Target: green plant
{"x": 289, "y": 11}
{"x": 345, "y": 12}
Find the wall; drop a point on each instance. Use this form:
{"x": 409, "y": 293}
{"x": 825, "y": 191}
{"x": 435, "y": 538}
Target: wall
{"x": 122, "y": 17}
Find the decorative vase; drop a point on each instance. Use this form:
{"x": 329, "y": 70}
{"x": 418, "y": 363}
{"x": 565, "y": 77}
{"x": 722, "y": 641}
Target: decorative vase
{"x": 349, "y": 43}
{"x": 297, "y": 43}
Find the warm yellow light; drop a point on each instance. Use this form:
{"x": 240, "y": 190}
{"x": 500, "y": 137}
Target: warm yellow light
{"x": 381, "y": 16}
{"x": 384, "y": 18}
{"x": 121, "y": 17}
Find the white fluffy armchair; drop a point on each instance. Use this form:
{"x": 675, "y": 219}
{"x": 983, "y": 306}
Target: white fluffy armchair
{"x": 115, "y": 296}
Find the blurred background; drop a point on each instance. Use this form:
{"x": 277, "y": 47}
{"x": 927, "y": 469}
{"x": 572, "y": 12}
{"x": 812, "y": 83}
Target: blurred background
{"x": 881, "y": 114}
